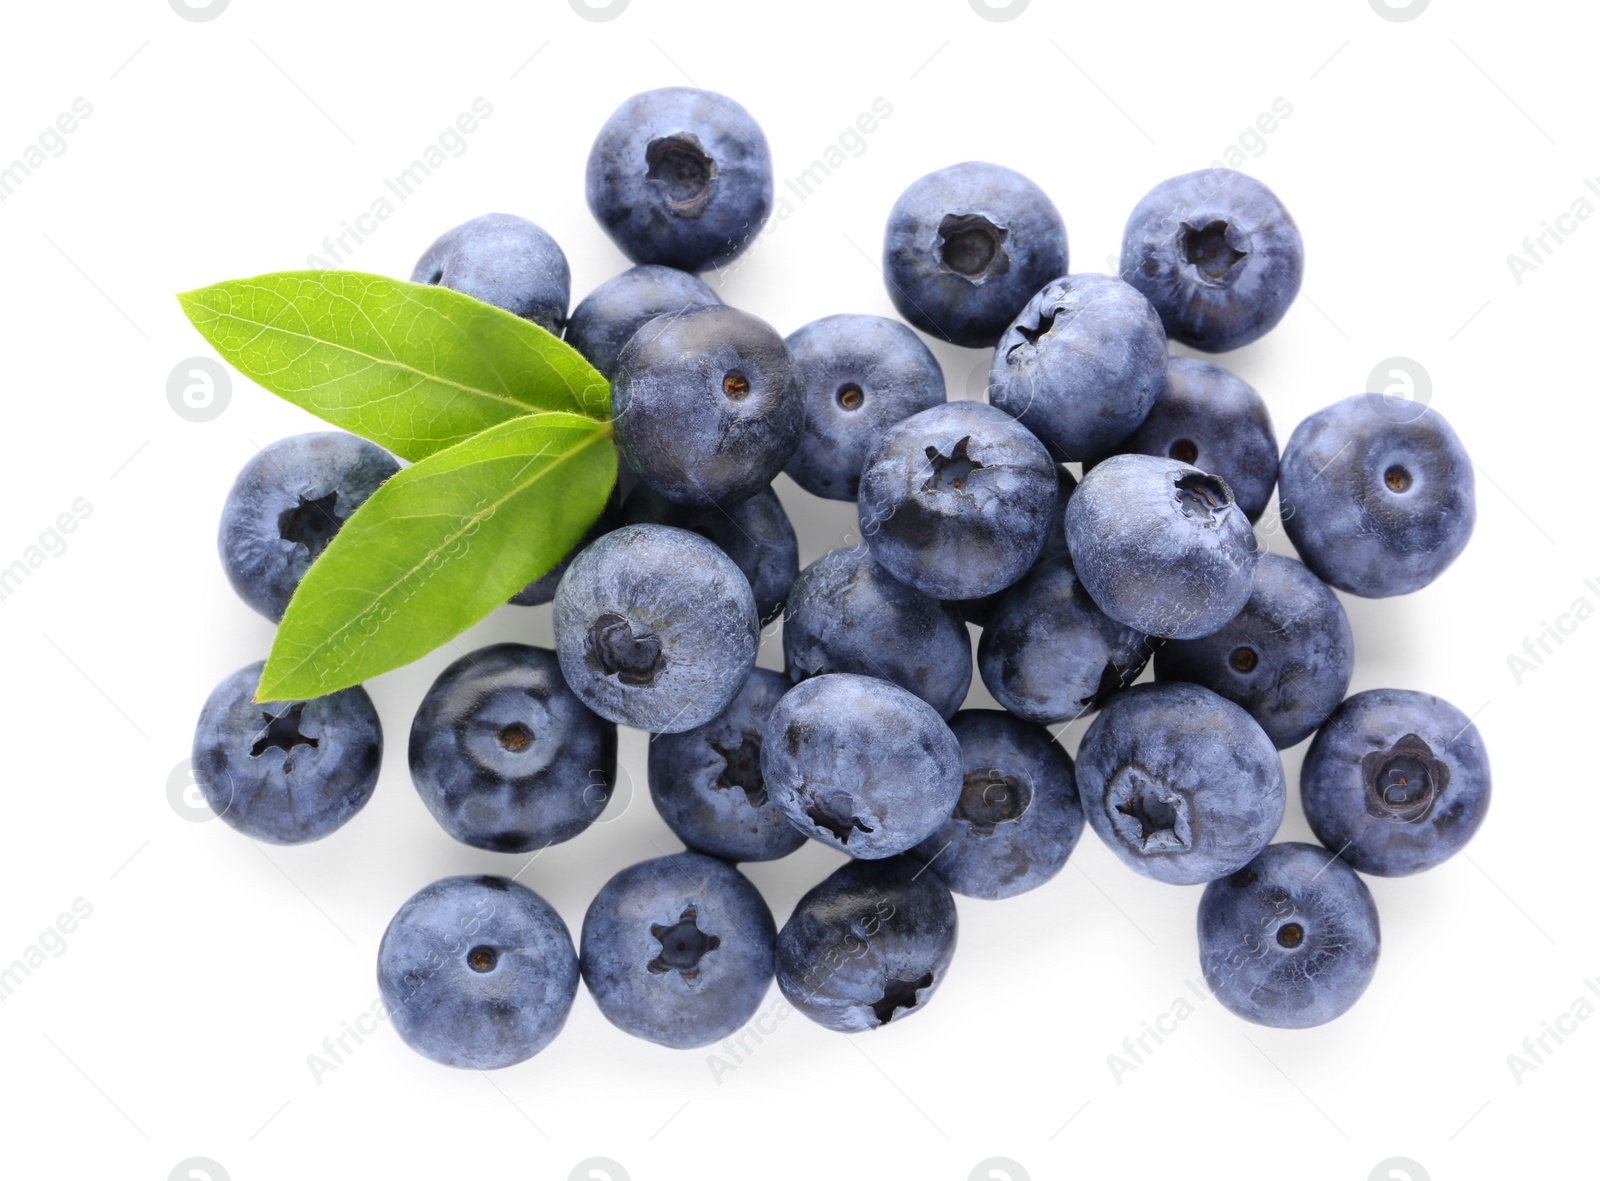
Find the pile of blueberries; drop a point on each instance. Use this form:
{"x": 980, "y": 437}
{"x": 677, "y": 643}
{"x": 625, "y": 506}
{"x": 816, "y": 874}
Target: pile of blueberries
{"x": 970, "y": 515}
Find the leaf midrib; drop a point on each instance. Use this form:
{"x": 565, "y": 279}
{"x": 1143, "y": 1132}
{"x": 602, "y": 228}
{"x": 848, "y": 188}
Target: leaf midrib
{"x": 401, "y": 366}
{"x": 477, "y": 518}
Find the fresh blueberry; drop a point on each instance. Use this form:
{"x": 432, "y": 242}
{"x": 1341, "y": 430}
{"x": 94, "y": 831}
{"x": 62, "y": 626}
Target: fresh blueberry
{"x": 1182, "y": 784}
{"x": 609, "y": 315}
{"x": 477, "y": 972}
{"x": 847, "y": 615}
{"x": 1049, "y": 655}
{"x": 543, "y": 589}
{"x": 859, "y": 375}
{"x": 1396, "y": 781}
{"x": 504, "y": 260}
{"x": 1082, "y": 365}
{"x": 1161, "y": 546}
{"x": 678, "y": 950}
{"x": 656, "y": 628}
{"x": 1218, "y": 256}
{"x": 980, "y": 611}
{"x": 1291, "y": 940}
{"x": 754, "y": 532}
{"x": 1212, "y": 420}
{"x": 286, "y": 505}
{"x": 860, "y": 764}
{"x": 966, "y": 247}
{"x": 680, "y": 177}
{"x": 956, "y": 501}
{"x": 1018, "y": 817}
{"x": 707, "y": 782}
{"x": 286, "y": 772}
{"x": 706, "y": 405}
{"x": 1286, "y": 658}
{"x": 505, "y": 756}
{"x": 1378, "y": 499}
{"x": 868, "y": 945}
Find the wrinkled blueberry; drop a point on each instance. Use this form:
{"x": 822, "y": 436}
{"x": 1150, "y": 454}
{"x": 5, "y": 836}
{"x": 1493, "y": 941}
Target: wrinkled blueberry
{"x": 868, "y": 945}
{"x": 608, "y": 316}
{"x": 503, "y": 260}
{"x": 1082, "y": 365}
{"x": 860, "y": 764}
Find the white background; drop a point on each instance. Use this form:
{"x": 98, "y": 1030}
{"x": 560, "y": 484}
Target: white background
{"x": 178, "y": 1020}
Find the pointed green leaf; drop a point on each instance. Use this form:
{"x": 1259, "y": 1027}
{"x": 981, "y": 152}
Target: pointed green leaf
{"x": 439, "y": 546}
{"x": 414, "y": 368}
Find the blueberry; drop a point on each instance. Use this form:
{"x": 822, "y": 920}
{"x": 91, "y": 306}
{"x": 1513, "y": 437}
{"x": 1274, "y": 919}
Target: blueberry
{"x": 504, "y": 260}
{"x": 1396, "y": 781}
{"x": 860, "y": 764}
{"x": 1161, "y": 546}
{"x": 543, "y": 589}
{"x": 1048, "y": 654}
{"x": 1291, "y": 940}
{"x": 868, "y": 945}
{"x": 609, "y": 315}
{"x": 707, "y": 782}
{"x": 680, "y": 177}
{"x": 847, "y": 615}
{"x": 1377, "y": 499}
{"x": 505, "y": 756}
{"x": 966, "y": 247}
{"x": 1286, "y": 658}
{"x": 286, "y": 505}
{"x": 859, "y": 375}
{"x": 981, "y": 610}
{"x": 706, "y": 405}
{"x": 678, "y": 950}
{"x": 1216, "y": 422}
{"x": 286, "y": 772}
{"x": 1018, "y": 817}
{"x": 477, "y": 972}
{"x": 1218, "y": 256}
{"x": 1182, "y": 784}
{"x": 1082, "y": 365}
{"x": 656, "y": 628}
{"x": 755, "y": 533}
{"x": 956, "y": 501}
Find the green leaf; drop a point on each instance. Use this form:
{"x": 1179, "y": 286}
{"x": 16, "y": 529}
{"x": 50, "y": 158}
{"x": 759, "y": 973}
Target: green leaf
{"x": 414, "y": 368}
{"x": 439, "y": 546}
